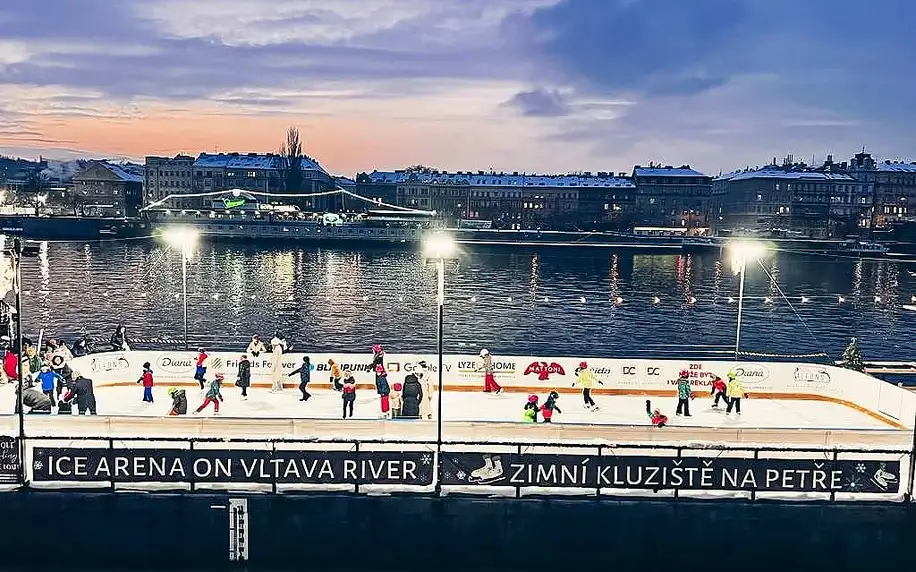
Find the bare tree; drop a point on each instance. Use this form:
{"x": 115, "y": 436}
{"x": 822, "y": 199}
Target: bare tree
{"x": 292, "y": 150}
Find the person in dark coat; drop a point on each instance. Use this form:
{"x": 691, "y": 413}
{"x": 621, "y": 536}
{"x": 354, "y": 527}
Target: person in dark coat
{"x": 411, "y": 396}
{"x": 243, "y": 379}
{"x": 82, "y": 393}
{"x": 383, "y": 389}
{"x": 59, "y": 365}
{"x": 179, "y": 401}
{"x": 305, "y": 377}
{"x": 119, "y": 340}
{"x": 36, "y": 401}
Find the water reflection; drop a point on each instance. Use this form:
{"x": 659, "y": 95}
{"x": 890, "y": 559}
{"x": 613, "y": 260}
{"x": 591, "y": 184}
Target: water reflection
{"x": 340, "y": 300}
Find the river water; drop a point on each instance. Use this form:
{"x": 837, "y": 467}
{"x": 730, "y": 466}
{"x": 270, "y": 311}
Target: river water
{"x": 512, "y": 301}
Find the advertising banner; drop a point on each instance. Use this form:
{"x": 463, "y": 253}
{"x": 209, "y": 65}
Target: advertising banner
{"x": 10, "y": 462}
{"x": 233, "y": 466}
{"x": 657, "y": 473}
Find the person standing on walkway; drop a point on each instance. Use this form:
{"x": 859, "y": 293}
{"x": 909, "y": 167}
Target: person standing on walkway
{"x": 585, "y": 379}
{"x": 277, "y": 347}
{"x": 684, "y": 394}
{"x": 489, "y": 371}
{"x": 735, "y": 392}
{"x": 305, "y": 377}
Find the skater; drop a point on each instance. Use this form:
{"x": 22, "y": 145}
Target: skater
{"x": 530, "y": 414}
{"x": 59, "y": 365}
{"x": 277, "y": 347}
{"x": 378, "y": 357}
{"x": 656, "y": 416}
{"x": 718, "y": 389}
{"x": 585, "y": 378}
{"x": 348, "y": 393}
{"x": 336, "y": 374}
{"x": 147, "y": 380}
{"x": 243, "y": 377}
{"x": 412, "y": 394}
{"x": 305, "y": 376}
{"x": 179, "y": 401}
{"x": 489, "y": 379}
{"x": 381, "y": 386}
{"x": 214, "y": 395}
{"x": 83, "y": 393}
{"x": 11, "y": 365}
{"x": 49, "y": 380}
{"x": 550, "y": 405}
{"x": 735, "y": 392}
{"x": 426, "y": 404}
{"x": 200, "y": 370}
{"x": 396, "y": 400}
{"x": 684, "y": 394}
{"x": 38, "y": 403}
{"x": 256, "y": 346}
{"x": 119, "y": 340}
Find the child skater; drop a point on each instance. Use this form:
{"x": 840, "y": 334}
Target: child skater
{"x": 396, "y": 400}
{"x": 201, "y": 370}
{"x": 585, "y": 378}
{"x": 179, "y": 401}
{"x": 214, "y": 395}
{"x": 550, "y": 406}
{"x": 684, "y": 393}
{"x": 718, "y": 389}
{"x": 381, "y": 386}
{"x": 348, "y": 393}
{"x": 336, "y": 374}
{"x": 530, "y": 414}
{"x": 658, "y": 419}
{"x": 147, "y": 380}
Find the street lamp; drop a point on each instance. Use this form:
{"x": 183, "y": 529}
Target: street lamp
{"x": 439, "y": 247}
{"x": 741, "y": 252}
{"x": 184, "y": 238}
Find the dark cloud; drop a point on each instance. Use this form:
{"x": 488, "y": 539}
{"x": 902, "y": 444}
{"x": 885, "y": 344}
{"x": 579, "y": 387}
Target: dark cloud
{"x": 539, "y": 103}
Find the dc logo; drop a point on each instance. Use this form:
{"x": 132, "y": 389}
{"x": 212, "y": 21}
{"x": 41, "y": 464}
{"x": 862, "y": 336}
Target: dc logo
{"x": 652, "y": 371}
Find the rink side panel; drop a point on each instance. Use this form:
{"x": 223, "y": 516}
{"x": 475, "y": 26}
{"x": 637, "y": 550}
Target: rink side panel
{"x": 533, "y": 374}
{"x": 334, "y": 532}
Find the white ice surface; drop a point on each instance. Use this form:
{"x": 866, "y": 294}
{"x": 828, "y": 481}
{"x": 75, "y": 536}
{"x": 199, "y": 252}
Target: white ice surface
{"x": 507, "y": 407}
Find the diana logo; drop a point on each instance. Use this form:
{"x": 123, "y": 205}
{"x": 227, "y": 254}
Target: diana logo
{"x": 752, "y": 373}
{"x": 100, "y": 364}
{"x": 176, "y": 363}
{"x": 543, "y": 370}
{"x": 811, "y": 375}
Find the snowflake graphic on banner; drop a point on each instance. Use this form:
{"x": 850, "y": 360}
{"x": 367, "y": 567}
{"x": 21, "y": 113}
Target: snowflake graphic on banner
{"x": 37, "y": 465}
{"x": 860, "y": 468}
{"x": 461, "y": 475}
{"x": 426, "y": 459}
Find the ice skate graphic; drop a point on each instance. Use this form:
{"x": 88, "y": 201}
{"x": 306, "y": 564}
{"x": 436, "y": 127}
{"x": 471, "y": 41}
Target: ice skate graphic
{"x": 883, "y": 479}
{"x": 491, "y": 471}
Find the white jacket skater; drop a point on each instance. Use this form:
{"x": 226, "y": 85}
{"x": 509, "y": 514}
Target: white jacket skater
{"x": 426, "y": 404}
{"x": 277, "y": 347}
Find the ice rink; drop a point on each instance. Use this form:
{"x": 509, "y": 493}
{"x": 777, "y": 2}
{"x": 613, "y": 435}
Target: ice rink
{"x": 478, "y": 407}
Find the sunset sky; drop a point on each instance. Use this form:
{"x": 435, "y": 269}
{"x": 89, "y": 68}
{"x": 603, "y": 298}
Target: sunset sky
{"x": 533, "y": 85}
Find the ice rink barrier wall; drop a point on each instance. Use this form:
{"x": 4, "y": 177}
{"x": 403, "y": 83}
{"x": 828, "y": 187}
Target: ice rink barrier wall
{"x": 533, "y": 374}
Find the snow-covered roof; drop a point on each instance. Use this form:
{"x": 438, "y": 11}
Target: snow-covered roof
{"x": 501, "y": 179}
{"x": 252, "y": 161}
{"x": 778, "y": 173}
{"x": 667, "y": 172}
{"x": 896, "y": 167}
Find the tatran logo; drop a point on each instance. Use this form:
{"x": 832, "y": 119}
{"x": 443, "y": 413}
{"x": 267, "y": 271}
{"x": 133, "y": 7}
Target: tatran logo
{"x": 751, "y": 373}
{"x": 811, "y": 375}
{"x": 176, "y": 363}
{"x": 100, "y": 364}
{"x": 543, "y": 369}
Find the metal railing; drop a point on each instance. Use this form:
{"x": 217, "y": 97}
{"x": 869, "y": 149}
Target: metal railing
{"x": 508, "y": 468}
